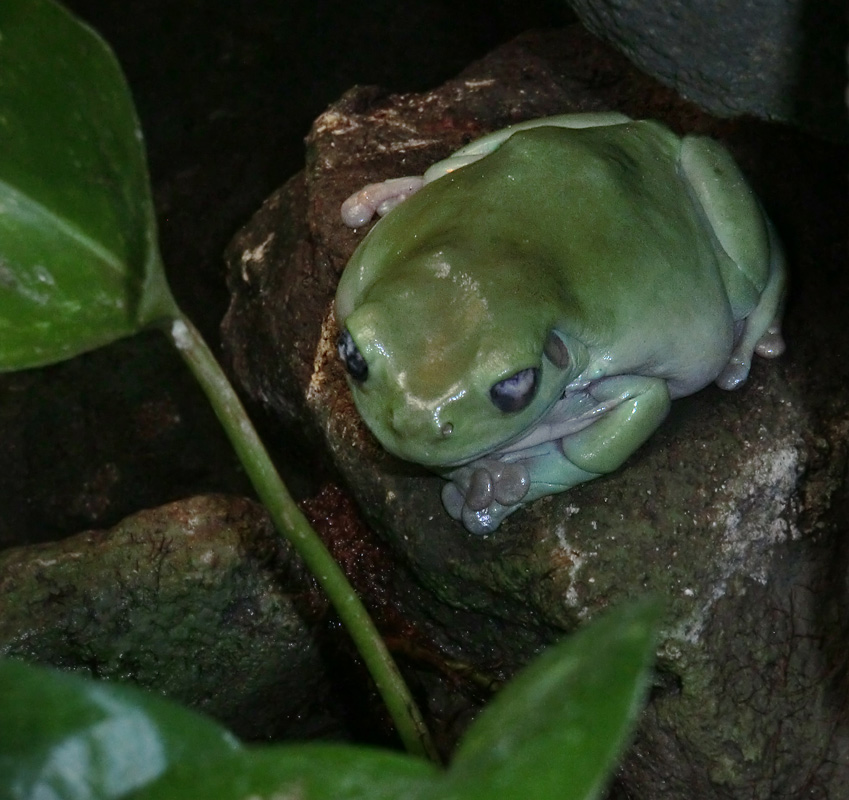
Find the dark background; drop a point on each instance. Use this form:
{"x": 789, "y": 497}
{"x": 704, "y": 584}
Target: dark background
{"x": 226, "y": 91}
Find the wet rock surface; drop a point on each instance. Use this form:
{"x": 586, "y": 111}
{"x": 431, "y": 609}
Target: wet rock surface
{"x": 733, "y": 512}
{"x": 197, "y": 599}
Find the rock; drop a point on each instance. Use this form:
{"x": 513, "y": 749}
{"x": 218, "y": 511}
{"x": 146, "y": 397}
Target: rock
{"x": 775, "y": 59}
{"x": 195, "y": 599}
{"x": 731, "y": 512}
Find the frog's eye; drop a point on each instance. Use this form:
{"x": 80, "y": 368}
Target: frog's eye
{"x": 516, "y": 392}
{"x": 352, "y": 357}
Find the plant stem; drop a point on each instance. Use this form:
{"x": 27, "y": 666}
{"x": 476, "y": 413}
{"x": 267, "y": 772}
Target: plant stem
{"x": 289, "y": 520}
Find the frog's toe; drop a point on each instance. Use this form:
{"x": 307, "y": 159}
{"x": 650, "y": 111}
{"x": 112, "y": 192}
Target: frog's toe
{"x": 485, "y": 520}
{"x": 734, "y": 375}
{"x": 453, "y": 500}
{"x": 771, "y": 344}
{"x": 480, "y": 492}
{"x": 512, "y": 484}
{"x": 479, "y": 521}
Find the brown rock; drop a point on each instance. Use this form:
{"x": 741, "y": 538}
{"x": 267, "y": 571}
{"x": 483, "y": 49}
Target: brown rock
{"x": 193, "y": 599}
{"x": 732, "y": 511}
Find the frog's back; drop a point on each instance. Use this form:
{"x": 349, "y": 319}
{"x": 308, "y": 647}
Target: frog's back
{"x": 607, "y": 212}
{"x": 607, "y": 205}
{"x": 591, "y": 230}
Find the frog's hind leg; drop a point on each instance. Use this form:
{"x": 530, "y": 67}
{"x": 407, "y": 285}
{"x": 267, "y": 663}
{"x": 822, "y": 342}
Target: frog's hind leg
{"x": 761, "y": 330}
{"x": 751, "y": 260}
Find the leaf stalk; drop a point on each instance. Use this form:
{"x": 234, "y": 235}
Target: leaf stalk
{"x": 293, "y": 525}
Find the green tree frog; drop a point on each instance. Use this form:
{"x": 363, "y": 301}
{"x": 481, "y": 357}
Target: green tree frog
{"x": 522, "y": 320}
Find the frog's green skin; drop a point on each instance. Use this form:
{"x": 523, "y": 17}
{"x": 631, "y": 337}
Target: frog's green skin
{"x": 624, "y": 264}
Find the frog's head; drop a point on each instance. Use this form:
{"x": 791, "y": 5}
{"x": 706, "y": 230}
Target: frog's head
{"x": 443, "y": 368}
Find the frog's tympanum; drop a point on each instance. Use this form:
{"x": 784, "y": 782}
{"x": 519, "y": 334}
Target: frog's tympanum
{"x": 522, "y": 320}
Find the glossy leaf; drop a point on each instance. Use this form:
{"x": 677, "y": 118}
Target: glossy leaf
{"x": 558, "y": 729}
{"x": 305, "y": 772}
{"x": 552, "y": 734}
{"x": 65, "y": 737}
{"x": 62, "y": 736}
{"x": 79, "y": 261}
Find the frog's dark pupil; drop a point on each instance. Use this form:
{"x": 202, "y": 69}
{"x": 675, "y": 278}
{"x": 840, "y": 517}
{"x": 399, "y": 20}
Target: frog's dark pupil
{"x": 516, "y": 392}
{"x": 352, "y": 357}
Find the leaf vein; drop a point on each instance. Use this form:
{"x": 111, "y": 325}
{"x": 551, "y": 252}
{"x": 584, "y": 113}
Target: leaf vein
{"x": 68, "y": 228}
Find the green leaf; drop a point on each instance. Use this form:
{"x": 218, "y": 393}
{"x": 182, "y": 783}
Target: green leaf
{"x": 79, "y": 262}
{"x": 557, "y": 730}
{"x": 62, "y": 736}
{"x": 554, "y": 733}
{"x": 74, "y": 739}
{"x": 305, "y": 772}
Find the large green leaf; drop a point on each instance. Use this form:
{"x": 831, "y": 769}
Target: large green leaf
{"x": 79, "y": 262}
{"x": 558, "y": 729}
{"x": 302, "y": 772}
{"x": 553, "y": 734}
{"x": 67, "y": 738}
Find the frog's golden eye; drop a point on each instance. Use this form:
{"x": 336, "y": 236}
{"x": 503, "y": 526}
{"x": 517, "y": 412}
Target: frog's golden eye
{"x": 351, "y": 357}
{"x": 516, "y": 392}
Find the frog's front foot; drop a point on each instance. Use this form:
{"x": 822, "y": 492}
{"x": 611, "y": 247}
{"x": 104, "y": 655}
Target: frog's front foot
{"x": 378, "y": 198}
{"x": 481, "y": 494}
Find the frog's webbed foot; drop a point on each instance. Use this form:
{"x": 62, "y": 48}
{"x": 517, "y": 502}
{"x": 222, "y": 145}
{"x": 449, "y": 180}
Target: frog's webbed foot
{"x": 481, "y": 494}
{"x": 378, "y": 198}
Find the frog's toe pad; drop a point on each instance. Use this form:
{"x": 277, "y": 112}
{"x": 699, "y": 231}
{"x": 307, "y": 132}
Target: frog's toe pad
{"x": 495, "y": 481}
{"x": 479, "y": 494}
{"x": 734, "y": 375}
{"x": 512, "y": 484}
{"x": 453, "y": 500}
{"x": 771, "y": 344}
{"x": 484, "y": 521}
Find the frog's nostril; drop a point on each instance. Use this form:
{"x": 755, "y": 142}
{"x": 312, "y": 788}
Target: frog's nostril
{"x": 446, "y": 429}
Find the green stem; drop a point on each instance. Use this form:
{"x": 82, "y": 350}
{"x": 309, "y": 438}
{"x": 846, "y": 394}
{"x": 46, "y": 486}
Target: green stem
{"x": 294, "y": 526}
